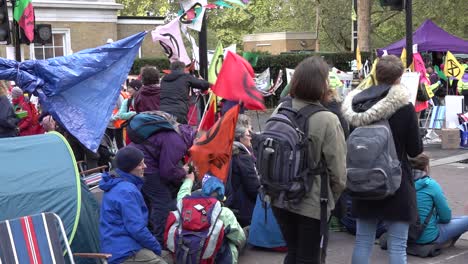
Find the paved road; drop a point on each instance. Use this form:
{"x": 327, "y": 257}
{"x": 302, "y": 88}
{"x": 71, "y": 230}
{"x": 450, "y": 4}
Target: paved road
{"x": 452, "y": 176}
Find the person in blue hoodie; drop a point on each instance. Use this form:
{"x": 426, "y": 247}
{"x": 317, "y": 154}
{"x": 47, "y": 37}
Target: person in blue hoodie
{"x": 442, "y": 229}
{"x": 124, "y": 216}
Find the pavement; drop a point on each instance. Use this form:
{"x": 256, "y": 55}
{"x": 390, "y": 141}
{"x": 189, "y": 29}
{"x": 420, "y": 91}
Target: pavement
{"x": 447, "y": 169}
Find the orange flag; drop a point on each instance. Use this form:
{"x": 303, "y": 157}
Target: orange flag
{"x": 212, "y": 152}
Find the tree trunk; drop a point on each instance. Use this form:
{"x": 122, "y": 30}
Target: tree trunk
{"x": 364, "y": 24}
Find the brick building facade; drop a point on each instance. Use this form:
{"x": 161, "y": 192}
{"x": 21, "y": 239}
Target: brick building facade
{"x": 278, "y": 42}
{"x": 78, "y": 25}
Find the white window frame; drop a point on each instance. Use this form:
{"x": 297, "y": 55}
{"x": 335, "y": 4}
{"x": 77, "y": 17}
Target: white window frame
{"x": 66, "y": 45}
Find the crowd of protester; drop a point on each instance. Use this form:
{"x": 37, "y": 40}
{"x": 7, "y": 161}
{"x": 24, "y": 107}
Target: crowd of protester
{"x": 151, "y": 179}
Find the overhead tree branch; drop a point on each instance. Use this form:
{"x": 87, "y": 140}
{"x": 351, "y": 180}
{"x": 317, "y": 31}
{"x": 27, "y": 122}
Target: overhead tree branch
{"x": 377, "y": 24}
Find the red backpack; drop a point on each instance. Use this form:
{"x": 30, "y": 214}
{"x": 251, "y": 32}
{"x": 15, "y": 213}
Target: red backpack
{"x": 194, "y": 233}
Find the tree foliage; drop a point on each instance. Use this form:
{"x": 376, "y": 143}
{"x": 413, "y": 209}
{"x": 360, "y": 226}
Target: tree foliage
{"x": 229, "y": 25}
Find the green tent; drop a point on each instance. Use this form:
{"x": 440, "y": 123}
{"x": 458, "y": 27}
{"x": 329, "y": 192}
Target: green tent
{"x": 39, "y": 174}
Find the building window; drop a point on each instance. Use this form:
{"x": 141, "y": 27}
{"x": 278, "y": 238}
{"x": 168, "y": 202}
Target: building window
{"x": 60, "y": 46}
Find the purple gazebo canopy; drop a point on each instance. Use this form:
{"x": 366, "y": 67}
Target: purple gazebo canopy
{"x": 429, "y": 37}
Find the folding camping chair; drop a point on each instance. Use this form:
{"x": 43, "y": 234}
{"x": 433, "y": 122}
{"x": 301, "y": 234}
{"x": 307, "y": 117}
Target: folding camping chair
{"x": 91, "y": 177}
{"x": 37, "y": 239}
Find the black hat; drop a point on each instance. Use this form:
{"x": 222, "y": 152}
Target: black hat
{"x": 135, "y": 84}
{"x": 128, "y": 158}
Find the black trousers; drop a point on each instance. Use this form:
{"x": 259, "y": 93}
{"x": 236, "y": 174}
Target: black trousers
{"x": 302, "y": 235}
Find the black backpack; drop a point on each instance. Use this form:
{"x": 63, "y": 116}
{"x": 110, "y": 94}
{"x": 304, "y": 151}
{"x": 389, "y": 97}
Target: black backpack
{"x": 282, "y": 155}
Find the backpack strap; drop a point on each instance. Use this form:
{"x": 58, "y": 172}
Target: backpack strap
{"x": 323, "y": 206}
{"x": 429, "y": 216}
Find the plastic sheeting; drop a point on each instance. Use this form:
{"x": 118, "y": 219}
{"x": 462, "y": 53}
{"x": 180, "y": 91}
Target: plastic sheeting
{"x": 79, "y": 90}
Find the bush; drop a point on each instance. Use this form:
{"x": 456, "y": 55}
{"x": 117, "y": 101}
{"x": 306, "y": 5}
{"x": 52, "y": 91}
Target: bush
{"x": 275, "y": 62}
{"x": 291, "y": 60}
{"x": 160, "y": 63}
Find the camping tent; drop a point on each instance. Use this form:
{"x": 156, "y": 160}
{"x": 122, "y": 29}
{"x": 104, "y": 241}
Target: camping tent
{"x": 429, "y": 37}
{"x": 39, "y": 174}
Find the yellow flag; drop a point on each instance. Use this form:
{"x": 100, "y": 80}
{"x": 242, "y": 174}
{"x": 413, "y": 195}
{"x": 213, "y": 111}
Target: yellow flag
{"x": 371, "y": 79}
{"x": 403, "y": 57}
{"x": 215, "y": 65}
{"x": 452, "y": 67}
{"x": 403, "y": 60}
{"x": 429, "y": 90}
{"x": 358, "y": 58}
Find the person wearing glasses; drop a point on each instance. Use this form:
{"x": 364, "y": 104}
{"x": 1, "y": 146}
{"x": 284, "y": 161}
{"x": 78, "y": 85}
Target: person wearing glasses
{"x": 243, "y": 182}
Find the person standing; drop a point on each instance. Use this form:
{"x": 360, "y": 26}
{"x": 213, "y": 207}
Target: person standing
{"x": 164, "y": 154}
{"x": 387, "y": 101}
{"x": 29, "y": 125}
{"x": 8, "y": 119}
{"x": 300, "y": 224}
{"x": 175, "y": 91}
{"x": 124, "y": 216}
{"x": 148, "y": 96}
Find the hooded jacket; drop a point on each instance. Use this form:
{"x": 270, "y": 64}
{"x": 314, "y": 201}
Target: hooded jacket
{"x": 8, "y": 118}
{"x": 124, "y": 218}
{"x": 147, "y": 98}
{"x": 30, "y": 124}
{"x": 429, "y": 195}
{"x": 175, "y": 89}
{"x": 164, "y": 152}
{"x": 364, "y": 107}
{"x": 244, "y": 183}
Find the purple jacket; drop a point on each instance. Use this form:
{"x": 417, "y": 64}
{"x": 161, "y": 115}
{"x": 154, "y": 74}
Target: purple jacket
{"x": 168, "y": 149}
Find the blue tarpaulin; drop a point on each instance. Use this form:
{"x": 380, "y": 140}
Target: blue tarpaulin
{"x": 79, "y": 90}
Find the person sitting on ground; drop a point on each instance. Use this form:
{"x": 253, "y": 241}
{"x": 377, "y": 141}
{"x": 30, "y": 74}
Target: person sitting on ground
{"x": 442, "y": 229}
{"x": 124, "y": 216}
{"x": 8, "y": 119}
{"x": 244, "y": 182}
{"x": 148, "y": 96}
{"x": 234, "y": 233}
{"x": 175, "y": 90}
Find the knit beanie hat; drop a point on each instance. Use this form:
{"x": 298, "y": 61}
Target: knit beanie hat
{"x": 135, "y": 84}
{"x": 16, "y": 92}
{"x": 128, "y": 158}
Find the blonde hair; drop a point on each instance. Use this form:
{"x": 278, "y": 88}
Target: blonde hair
{"x": 3, "y": 87}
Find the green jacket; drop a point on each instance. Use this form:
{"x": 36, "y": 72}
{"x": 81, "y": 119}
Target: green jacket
{"x": 326, "y": 136}
{"x": 236, "y": 234}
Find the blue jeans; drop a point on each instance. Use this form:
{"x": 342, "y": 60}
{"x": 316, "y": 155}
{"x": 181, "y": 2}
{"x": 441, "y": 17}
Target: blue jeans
{"x": 453, "y": 229}
{"x": 365, "y": 236}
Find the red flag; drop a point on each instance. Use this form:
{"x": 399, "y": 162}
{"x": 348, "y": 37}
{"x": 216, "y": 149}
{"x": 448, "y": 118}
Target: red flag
{"x": 23, "y": 13}
{"x": 212, "y": 152}
{"x": 209, "y": 118}
{"x": 235, "y": 82}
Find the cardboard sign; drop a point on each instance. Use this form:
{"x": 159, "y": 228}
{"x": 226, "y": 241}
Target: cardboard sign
{"x": 411, "y": 81}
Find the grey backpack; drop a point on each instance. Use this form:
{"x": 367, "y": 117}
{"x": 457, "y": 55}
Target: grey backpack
{"x": 373, "y": 167}
{"x": 282, "y": 155}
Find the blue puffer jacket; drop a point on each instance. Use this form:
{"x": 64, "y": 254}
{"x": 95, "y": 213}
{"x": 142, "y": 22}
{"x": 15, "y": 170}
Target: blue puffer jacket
{"x": 124, "y": 218}
{"x": 428, "y": 195}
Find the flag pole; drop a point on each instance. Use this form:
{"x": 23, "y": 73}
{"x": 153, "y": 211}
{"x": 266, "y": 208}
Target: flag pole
{"x": 204, "y": 112}
{"x": 16, "y": 33}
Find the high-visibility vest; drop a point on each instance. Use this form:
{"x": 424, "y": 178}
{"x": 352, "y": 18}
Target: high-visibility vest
{"x": 118, "y": 123}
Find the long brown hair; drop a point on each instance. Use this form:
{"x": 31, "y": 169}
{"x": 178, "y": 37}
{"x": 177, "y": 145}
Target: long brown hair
{"x": 310, "y": 79}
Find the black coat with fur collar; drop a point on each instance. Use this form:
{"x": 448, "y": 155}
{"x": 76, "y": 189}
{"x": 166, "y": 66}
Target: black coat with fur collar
{"x": 388, "y": 102}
